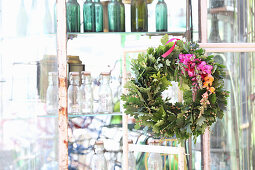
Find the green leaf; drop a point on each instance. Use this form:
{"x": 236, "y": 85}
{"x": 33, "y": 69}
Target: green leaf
{"x": 137, "y": 126}
{"x": 164, "y": 39}
{"x": 200, "y": 120}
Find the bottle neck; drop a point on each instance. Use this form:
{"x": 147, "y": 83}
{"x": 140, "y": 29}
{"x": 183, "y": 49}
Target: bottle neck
{"x": 74, "y": 1}
{"x": 74, "y": 80}
{"x": 161, "y": 1}
{"x": 86, "y": 80}
{"x": 105, "y": 80}
{"x": 99, "y": 149}
{"x": 96, "y": 0}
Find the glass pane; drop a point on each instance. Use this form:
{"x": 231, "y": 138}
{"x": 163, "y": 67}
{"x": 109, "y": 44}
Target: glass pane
{"x": 27, "y": 55}
{"x": 230, "y": 21}
{"x": 232, "y": 138}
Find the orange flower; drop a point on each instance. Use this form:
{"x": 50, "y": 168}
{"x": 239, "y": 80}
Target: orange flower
{"x": 212, "y": 89}
{"x": 208, "y": 81}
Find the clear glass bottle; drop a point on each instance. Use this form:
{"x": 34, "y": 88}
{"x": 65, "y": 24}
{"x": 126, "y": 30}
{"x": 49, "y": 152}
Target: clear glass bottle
{"x": 122, "y": 16}
{"x": 155, "y": 161}
{"x": 105, "y": 94}
{"x": 89, "y": 16}
{"x": 98, "y": 160}
{"x": 131, "y": 158}
{"x": 86, "y": 93}
{"x": 99, "y": 24}
{"x": 114, "y": 16}
{"x": 73, "y": 93}
{"x": 52, "y": 94}
{"x": 139, "y": 16}
{"x": 73, "y": 16}
{"x": 161, "y": 16}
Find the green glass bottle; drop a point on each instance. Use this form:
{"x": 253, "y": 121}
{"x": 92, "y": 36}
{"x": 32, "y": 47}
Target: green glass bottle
{"x": 73, "y": 16}
{"x": 139, "y": 16}
{"x": 99, "y": 25}
{"x": 122, "y": 16}
{"x": 161, "y": 16}
{"x": 114, "y": 16}
{"x": 89, "y": 16}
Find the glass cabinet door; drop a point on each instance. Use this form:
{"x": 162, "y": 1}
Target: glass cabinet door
{"x": 28, "y": 112}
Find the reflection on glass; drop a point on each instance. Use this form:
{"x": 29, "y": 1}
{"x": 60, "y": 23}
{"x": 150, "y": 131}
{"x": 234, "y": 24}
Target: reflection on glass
{"x": 232, "y": 138}
{"x": 52, "y": 94}
{"x": 216, "y": 3}
{"x": 73, "y": 16}
{"x": 161, "y": 16}
{"x": 214, "y": 34}
{"x": 99, "y": 16}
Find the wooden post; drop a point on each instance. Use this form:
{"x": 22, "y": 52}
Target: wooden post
{"x": 62, "y": 85}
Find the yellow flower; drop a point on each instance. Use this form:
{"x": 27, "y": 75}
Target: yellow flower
{"x": 212, "y": 89}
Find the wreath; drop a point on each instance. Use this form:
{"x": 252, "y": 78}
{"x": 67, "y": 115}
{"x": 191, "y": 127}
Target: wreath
{"x": 199, "y": 77}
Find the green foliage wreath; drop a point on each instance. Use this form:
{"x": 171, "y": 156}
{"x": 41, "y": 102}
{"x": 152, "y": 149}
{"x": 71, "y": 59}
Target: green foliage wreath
{"x": 199, "y": 78}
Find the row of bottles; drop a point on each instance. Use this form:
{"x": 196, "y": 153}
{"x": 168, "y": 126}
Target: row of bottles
{"x": 93, "y": 16}
{"x": 99, "y": 162}
{"x": 80, "y": 98}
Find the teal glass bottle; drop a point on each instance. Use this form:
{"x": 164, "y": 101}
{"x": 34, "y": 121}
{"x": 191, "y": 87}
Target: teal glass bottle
{"x": 99, "y": 25}
{"x": 73, "y": 16}
{"x": 139, "y": 16}
{"x": 122, "y": 16}
{"x": 161, "y": 16}
{"x": 114, "y": 16}
{"x": 89, "y": 16}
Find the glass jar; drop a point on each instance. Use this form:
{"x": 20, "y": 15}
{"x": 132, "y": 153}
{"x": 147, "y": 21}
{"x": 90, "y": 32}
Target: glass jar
{"x": 161, "y": 16}
{"x": 114, "y": 16}
{"x": 122, "y": 16}
{"x": 89, "y": 16}
{"x": 98, "y": 160}
{"x": 154, "y": 160}
{"x": 73, "y": 16}
{"x": 86, "y": 93}
{"x": 73, "y": 93}
{"x": 139, "y": 16}
{"x": 105, "y": 94}
{"x": 131, "y": 158}
{"x": 52, "y": 94}
{"x": 99, "y": 25}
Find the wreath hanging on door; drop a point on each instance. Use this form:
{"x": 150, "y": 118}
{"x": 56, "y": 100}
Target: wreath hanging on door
{"x": 199, "y": 77}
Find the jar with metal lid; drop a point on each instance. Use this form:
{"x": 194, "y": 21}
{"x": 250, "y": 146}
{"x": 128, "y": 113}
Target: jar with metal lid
{"x": 98, "y": 160}
{"x": 105, "y": 94}
{"x": 73, "y": 93}
{"x": 155, "y": 161}
{"x": 86, "y": 93}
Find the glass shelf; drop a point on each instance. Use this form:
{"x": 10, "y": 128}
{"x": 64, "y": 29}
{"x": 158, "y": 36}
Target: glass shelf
{"x": 82, "y": 115}
{"x": 72, "y": 35}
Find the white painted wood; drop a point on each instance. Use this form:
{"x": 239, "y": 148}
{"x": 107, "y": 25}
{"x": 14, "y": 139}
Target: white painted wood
{"x": 227, "y": 45}
{"x": 124, "y": 117}
{"x": 156, "y": 149}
